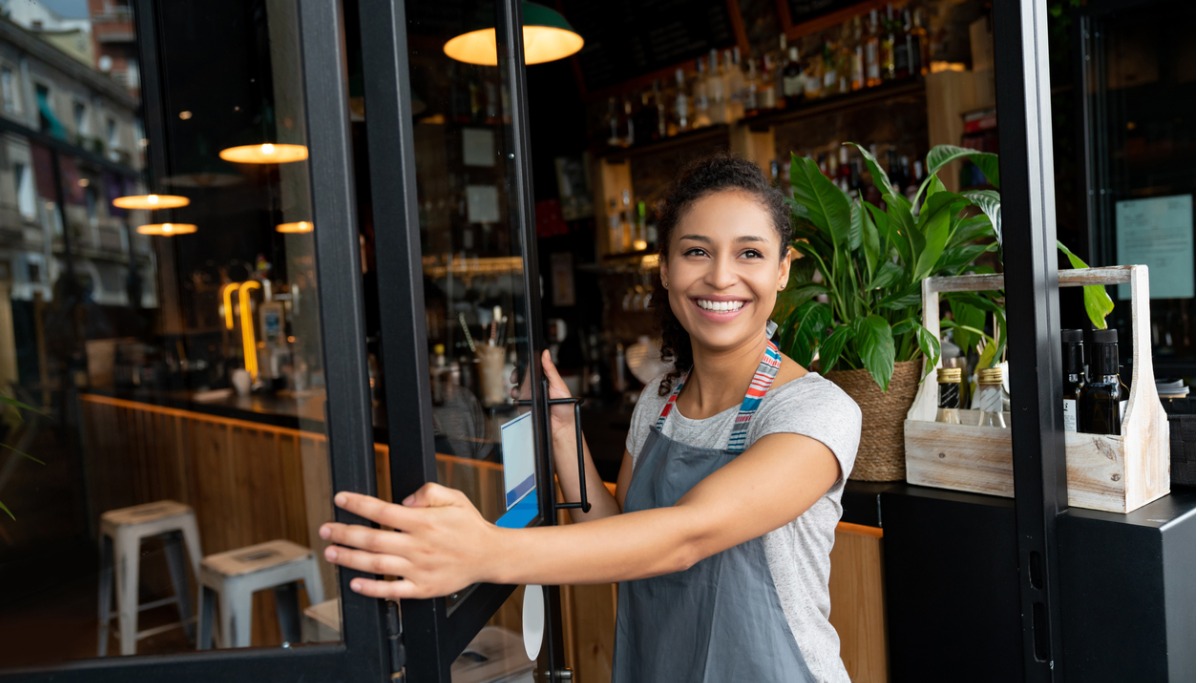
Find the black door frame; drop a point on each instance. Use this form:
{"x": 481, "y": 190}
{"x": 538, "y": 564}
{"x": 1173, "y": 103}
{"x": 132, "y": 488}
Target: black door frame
{"x": 431, "y": 626}
{"x": 363, "y": 653}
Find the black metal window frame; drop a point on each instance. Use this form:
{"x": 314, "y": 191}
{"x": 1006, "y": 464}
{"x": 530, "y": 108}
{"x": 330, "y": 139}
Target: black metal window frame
{"x": 1031, "y": 299}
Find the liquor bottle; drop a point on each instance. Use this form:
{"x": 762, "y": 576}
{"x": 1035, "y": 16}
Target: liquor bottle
{"x": 829, "y": 69}
{"x": 701, "y": 116}
{"x": 660, "y": 111}
{"x": 681, "y": 119}
{"x": 793, "y": 78}
{"x": 857, "y": 73}
{"x": 753, "y": 90}
{"x": 920, "y": 45}
{"x": 1074, "y": 378}
{"x": 871, "y": 50}
{"x": 887, "y": 47}
{"x": 735, "y": 84}
{"x": 1100, "y": 399}
{"x": 627, "y": 108}
{"x": 780, "y": 62}
{"x": 844, "y": 170}
{"x": 990, "y": 398}
{"x": 904, "y": 47}
{"x": 769, "y": 96}
{"x": 627, "y": 229}
{"x": 614, "y": 123}
{"x": 718, "y": 96}
{"x": 949, "y": 382}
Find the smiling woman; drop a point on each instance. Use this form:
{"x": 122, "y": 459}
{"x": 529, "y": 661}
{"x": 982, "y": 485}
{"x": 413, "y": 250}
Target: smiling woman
{"x": 730, "y": 485}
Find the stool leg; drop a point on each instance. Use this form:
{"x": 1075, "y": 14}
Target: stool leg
{"x": 287, "y": 609}
{"x": 204, "y": 630}
{"x": 127, "y": 550}
{"x": 178, "y": 570}
{"x": 191, "y": 539}
{"x": 236, "y": 604}
{"x": 313, "y": 583}
{"x": 106, "y": 592}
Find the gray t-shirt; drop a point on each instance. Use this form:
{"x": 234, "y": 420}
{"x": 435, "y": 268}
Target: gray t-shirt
{"x": 798, "y": 552}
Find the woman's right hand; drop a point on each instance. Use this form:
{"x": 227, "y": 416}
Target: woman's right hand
{"x": 562, "y": 417}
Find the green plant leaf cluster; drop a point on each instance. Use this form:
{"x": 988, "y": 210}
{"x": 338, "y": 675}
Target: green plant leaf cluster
{"x": 854, "y": 299}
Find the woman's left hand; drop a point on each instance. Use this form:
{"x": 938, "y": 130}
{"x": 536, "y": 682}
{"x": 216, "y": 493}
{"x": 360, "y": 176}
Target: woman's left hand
{"x": 437, "y": 543}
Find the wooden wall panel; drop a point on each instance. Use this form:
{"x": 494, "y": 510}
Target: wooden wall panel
{"x": 856, "y": 601}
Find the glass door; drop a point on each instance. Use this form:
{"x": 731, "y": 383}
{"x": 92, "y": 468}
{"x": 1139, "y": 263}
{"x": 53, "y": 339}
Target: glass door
{"x": 193, "y": 378}
{"x": 459, "y": 329}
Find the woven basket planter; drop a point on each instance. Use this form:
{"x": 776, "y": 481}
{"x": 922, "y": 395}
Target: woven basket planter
{"x": 881, "y": 451}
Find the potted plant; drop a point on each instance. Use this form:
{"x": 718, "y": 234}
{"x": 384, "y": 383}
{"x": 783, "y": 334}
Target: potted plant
{"x": 854, "y": 301}
{"x": 853, "y": 304}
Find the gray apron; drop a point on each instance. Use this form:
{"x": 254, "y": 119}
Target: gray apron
{"x": 720, "y": 621}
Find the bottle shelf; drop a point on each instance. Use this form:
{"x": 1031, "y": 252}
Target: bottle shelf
{"x": 859, "y": 98}
{"x": 691, "y": 138}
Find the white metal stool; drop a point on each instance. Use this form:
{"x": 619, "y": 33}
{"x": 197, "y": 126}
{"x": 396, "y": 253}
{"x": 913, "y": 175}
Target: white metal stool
{"x": 121, "y": 534}
{"x": 231, "y": 578}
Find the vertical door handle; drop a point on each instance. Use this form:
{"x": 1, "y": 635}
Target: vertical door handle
{"x": 583, "y": 503}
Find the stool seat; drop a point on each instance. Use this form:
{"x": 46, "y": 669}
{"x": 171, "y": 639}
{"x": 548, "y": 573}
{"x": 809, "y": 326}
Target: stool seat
{"x": 232, "y": 577}
{"x": 121, "y": 534}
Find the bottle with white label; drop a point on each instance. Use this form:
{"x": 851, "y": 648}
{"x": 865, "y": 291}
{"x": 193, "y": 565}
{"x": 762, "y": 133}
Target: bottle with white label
{"x": 1073, "y": 377}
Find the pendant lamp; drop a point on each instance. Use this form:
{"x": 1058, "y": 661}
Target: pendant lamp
{"x": 294, "y": 227}
{"x": 151, "y": 202}
{"x": 166, "y": 229}
{"x": 545, "y": 32}
{"x": 265, "y": 153}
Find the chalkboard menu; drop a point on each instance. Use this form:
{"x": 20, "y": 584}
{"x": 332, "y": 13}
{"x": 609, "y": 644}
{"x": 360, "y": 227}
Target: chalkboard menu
{"x": 801, "y": 11}
{"x": 629, "y": 38}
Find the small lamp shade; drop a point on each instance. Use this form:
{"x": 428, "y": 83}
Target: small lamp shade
{"x": 294, "y": 227}
{"x": 166, "y": 229}
{"x": 265, "y": 153}
{"x": 546, "y": 34}
{"x": 151, "y": 202}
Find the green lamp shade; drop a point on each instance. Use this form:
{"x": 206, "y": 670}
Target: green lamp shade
{"x": 546, "y": 34}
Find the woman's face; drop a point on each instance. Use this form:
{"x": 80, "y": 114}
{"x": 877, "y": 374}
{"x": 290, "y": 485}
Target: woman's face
{"x": 723, "y": 270}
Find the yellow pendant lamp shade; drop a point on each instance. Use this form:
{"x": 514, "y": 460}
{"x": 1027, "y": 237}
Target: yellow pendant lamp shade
{"x": 546, "y": 34}
{"x": 166, "y": 229}
{"x": 151, "y": 202}
{"x": 295, "y": 227}
{"x": 265, "y": 153}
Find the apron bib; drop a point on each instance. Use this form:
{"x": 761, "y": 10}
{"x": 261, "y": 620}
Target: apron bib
{"x": 721, "y": 620}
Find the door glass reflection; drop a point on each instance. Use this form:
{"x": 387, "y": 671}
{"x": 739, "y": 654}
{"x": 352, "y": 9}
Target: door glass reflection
{"x": 166, "y": 464}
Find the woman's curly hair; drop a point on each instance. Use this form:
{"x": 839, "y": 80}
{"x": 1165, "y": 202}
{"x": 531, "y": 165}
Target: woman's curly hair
{"x": 698, "y": 180}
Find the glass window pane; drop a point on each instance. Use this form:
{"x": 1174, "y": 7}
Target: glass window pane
{"x": 161, "y": 386}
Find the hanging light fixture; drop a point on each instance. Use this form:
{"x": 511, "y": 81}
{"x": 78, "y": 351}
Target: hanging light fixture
{"x": 545, "y": 32}
{"x": 166, "y": 229}
{"x": 265, "y": 153}
{"x": 151, "y": 202}
{"x": 294, "y": 227}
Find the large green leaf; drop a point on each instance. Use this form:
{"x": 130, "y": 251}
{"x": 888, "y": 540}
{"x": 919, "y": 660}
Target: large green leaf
{"x": 855, "y": 237}
{"x": 933, "y": 185}
{"x": 6, "y": 510}
{"x": 878, "y": 174}
{"x": 908, "y": 299}
{"x": 870, "y": 238}
{"x": 1096, "y": 301}
{"x": 876, "y": 348}
{"x": 934, "y": 224}
{"x": 957, "y": 260}
{"x": 806, "y": 326}
{"x": 972, "y": 228}
{"x": 989, "y": 202}
{"x": 931, "y": 347}
{"x": 912, "y": 242}
{"x": 889, "y": 229}
{"x": 970, "y": 319}
{"x": 825, "y": 205}
{"x": 888, "y": 275}
{"x": 987, "y": 162}
{"x": 832, "y": 346}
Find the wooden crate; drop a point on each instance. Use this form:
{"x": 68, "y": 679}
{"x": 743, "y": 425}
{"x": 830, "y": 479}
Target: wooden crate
{"x": 1104, "y": 472}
